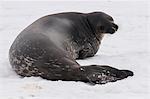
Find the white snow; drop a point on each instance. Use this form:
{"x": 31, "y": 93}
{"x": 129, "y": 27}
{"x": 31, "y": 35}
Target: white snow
{"x": 127, "y": 49}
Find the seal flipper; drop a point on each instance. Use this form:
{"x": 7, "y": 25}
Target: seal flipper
{"x": 101, "y": 74}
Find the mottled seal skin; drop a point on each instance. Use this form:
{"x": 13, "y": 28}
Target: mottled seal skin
{"x": 49, "y": 47}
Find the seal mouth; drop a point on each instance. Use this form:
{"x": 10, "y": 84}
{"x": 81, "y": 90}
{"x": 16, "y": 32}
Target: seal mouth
{"x": 113, "y": 29}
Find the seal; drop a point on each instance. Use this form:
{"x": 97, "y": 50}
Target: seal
{"x": 50, "y": 46}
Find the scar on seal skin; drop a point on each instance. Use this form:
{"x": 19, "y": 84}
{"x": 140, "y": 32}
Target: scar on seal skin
{"x": 49, "y": 47}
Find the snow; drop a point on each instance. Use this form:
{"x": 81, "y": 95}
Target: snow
{"x": 126, "y": 49}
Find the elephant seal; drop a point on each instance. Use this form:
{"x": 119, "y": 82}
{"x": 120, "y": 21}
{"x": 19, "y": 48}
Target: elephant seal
{"x": 49, "y": 47}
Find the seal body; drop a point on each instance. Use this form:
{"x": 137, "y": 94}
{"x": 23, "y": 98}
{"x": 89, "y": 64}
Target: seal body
{"x": 49, "y": 47}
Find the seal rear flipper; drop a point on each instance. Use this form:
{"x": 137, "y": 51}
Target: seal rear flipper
{"x": 101, "y": 74}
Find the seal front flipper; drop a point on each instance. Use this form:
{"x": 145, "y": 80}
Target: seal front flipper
{"x": 101, "y": 74}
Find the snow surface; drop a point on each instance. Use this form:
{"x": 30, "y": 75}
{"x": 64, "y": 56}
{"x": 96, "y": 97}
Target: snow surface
{"x": 127, "y": 49}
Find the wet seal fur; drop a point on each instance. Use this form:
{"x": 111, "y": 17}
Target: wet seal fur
{"x": 49, "y": 47}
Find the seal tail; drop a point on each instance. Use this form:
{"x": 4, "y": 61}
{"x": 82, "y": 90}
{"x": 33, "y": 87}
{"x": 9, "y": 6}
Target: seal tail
{"x": 101, "y": 74}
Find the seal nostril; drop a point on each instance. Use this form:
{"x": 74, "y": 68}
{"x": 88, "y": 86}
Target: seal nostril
{"x": 116, "y": 27}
